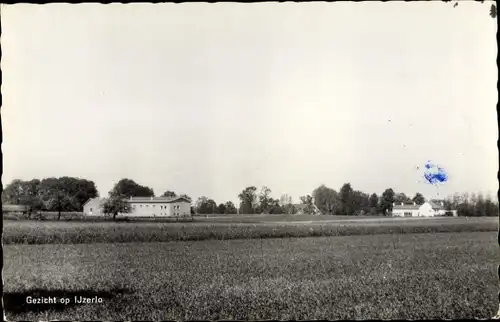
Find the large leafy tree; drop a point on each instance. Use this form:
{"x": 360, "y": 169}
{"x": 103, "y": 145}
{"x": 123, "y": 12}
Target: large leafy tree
{"x": 27, "y": 193}
{"x": 346, "y": 199}
{"x": 419, "y": 199}
{"x": 60, "y": 202}
{"x": 327, "y": 200}
{"x": 221, "y": 208}
{"x": 169, "y": 193}
{"x": 76, "y": 189}
{"x": 265, "y": 200}
{"x": 13, "y": 192}
{"x": 129, "y": 188}
{"x": 230, "y": 208}
{"x": 374, "y": 203}
{"x": 205, "y": 205}
{"x": 360, "y": 202}
{"x": 116, "y": 205}
{"x": 387, "y": 201}
{"x": 248, "y": 199}
{"x": 86, "y": 189}
{"x": 47, "y": 193}
{"x": 199, "y": 204}
{"x": 402, "y": 198}
{"x": 309, "y": 202}
{"x": 56, "y": 195}
{"x": 274, "y": 207}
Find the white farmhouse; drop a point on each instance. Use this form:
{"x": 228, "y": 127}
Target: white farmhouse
{"x": 427, "y": 209}
{"x": 92, "y": 207}
{"x": 145, "y": 207}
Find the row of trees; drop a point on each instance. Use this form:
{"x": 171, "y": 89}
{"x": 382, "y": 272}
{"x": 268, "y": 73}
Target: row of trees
{"x": 70, "y": 193}
{"x": 205, "y": 205}
{"x": 353, "y": 202}
{"x": 261, "y": 202}
{"x": 50, "y": 194}
{"x": 347, "y": 201}
{"x": 472, "y": 205}
{"x": 66, "y": 194}
{"x": 350, "y": 202}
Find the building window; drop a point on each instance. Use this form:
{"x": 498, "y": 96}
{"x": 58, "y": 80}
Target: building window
{"x": 141, "y": 206}
{"x": 153, "y": 206}
{"x": 161, "y": 207}
{"x": 90, "y": 209}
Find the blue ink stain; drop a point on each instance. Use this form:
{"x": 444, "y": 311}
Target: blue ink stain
{"x": 434, "y": 174}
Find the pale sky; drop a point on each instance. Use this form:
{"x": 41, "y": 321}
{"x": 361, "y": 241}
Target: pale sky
{"x": 207, "y": 99}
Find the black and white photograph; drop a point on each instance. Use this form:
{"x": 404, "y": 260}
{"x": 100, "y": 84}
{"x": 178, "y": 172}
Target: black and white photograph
{"x": 250, "y": 161}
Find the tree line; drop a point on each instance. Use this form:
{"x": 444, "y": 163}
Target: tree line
{"x": 350, "y": 202}
{"x": 67, "y": 194}
{"x": 50, "y": 194}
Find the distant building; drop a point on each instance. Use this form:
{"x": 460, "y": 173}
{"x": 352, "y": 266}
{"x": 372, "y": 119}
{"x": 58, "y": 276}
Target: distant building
{"x": 427, "y": 209}
{"x": 92, "y": 207}
{"x": 145, "y": 207}
{"x": 299, "y": 209}
{"x": 14, "y": 208}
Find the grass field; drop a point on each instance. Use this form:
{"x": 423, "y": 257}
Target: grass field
{"x": 55, "y": 232}
{"x": 392, "y": 276}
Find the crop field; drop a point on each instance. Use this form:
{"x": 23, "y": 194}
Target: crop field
{"x": 55, "y": 232}
{"x": 390, "y": 276}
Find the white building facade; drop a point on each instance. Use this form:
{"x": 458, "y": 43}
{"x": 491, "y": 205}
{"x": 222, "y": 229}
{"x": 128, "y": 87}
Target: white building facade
{"x": 427, "y": 209}
{"x": 145, "y": 207}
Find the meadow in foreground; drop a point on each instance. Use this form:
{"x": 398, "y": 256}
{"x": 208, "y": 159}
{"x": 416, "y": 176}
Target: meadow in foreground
{"x": 55, "y": 232}
{"x": 410, "y": 276}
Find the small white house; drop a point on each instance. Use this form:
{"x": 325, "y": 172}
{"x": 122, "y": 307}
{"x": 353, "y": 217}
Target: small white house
{"x": 427, "y": 209}
{"x": 92, "y": 207}
{"x": 145, "y": 207}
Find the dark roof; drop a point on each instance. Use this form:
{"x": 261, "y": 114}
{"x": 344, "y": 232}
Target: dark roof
{"x": 147, "y": 199}
{"x": 157, "y": 199}
{"x": 302, "y": 206}
{"x": 436, "y": 205}
{"x": 98, "y": 198}
{"x": 405, "y": 207}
